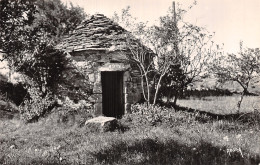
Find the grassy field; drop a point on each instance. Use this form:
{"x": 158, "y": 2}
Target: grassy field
{"x": 157, "y": 135}
{"x": 222, "y": 105}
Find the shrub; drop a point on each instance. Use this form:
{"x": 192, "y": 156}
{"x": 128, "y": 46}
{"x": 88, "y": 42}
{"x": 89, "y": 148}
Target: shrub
{"x": 152, "y": 115}
{"x": 37, "y": 105}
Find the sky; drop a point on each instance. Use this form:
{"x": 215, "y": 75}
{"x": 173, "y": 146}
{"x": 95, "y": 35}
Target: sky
{"x": 231, "y": 20}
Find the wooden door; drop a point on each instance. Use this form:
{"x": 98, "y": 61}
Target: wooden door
{"x": 112, "y": 94}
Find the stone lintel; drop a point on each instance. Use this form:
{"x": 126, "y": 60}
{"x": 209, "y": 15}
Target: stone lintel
{"x": 114, "y": 67}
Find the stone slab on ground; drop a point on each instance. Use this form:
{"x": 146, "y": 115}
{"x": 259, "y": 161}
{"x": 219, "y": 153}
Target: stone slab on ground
{"x": 102, "y": 124}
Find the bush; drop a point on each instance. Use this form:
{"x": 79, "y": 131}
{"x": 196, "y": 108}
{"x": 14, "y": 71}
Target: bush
{"x": 152, "y": 115}
{"x": 37, "y": 105}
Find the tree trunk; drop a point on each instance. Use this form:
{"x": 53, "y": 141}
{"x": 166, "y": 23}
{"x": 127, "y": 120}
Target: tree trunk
{"x": 175, "y": 99}
{"x": 245, "y": 91}
{"x": 169, "y": 97}
{"x": 157, "y": 89}
{"x": 148, "y": 89}
{"x": 240, "y": 101}
{"x": 142, "y": 84}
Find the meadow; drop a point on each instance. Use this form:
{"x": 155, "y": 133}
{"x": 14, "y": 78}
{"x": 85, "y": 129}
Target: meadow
{"x": 221, "y": 105}
{"x": 158, "y": 135}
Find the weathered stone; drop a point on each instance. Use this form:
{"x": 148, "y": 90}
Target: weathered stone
{"x": 98, "y": 77}
{"x": 128, "y": 98}
{"x": 97, "y": 88}
{"x": 127, "y": 87}
{"x": 96, "y": 98}
{"x": 98, "y": 109}
{"x": 91, "y": 77}
{"x": 114, "y": 67}
{"x": 128, "y": 108}
{"x": 93, "y": 49}
{"x": 102, "y": 124}
{"x": 127, "y": 76}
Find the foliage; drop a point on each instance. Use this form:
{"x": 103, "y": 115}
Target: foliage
{"x": 37, "y": 105}
{"x": 151, "y": 115}
{"x": 29, "y": 31}
{"x": 190, "y": 48}
{"x": 242, "y": 68}
{"x": 27, "y": 24}
{"x": 45, "y": 67}
{"x": 16, "y": 36}
{"x": 55, "y": 19}
{"x": 181, "y": 52}
{"x": 189, "y": 138}
{"x": 136, "y": 42}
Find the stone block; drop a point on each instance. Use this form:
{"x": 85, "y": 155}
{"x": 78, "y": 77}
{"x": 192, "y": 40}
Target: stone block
{"x": 128, "y": 98}
{"x": 91, "y": 77}
{"x": 114, "y": 67}
{"x": 98, "y": 77}
{"x": 127, "y": 87}
{"x": 128, "y": 108}
{"x": 97, "y": 87}
{"x": 126, "y": 76}
{"x": 102, "y": 124}
{"x": 96, "y": 98}
{"x": 98, "y": 109}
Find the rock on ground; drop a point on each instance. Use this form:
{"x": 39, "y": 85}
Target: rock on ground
{"x": 102, "y": 124}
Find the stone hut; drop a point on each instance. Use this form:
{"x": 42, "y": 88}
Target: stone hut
{"x": 114, "y": 81}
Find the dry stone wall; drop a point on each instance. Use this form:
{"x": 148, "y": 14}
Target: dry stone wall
{"x": 84, "y": 77}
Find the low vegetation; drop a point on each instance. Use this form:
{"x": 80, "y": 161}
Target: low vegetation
{"x": 35, "y": 129}
{"x": 222, "y": 105}
{"x": 151, "y": 135}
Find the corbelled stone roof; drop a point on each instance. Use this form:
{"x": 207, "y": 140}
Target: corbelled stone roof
{"x": 96, "y": 33}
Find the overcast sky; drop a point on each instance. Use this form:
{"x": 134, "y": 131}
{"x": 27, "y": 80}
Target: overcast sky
{"x": 232, "y": 20}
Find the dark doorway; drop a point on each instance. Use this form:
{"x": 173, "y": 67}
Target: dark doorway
{"x": 112, "y": 94}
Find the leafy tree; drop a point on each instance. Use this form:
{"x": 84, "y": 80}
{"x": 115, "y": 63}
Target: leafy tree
{"x": 136, "y": 42}
{"x": 242, "y": 68}
{"x": 27, "y": 26}
{"x": 16, "y": 37}
{"x": 29, "y": 32}
{"x": 172, "y": 83}
{"x": 179, "y": 48}
{"x": 55, "y": 19}
{"x": 46, "y": 67}
{"x": 183, "y": 52}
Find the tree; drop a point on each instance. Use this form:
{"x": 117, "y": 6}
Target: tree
{"x": 178, "y": 47}
{"x": 136, "y": 42}
{"x": 27, "y": 26}
{"x": 55, "y": 19}
{"x": 29, "y": 32}
{"x": 142, "y": 57}
{"x": 16, "y": 38}
{"x": 242, "y": 68}
{"x": 183, "y": 51}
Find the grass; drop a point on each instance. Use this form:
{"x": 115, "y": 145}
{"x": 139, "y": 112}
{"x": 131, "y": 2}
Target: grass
{"x": 154, "y": 136}
{"x": 221, "y": 105}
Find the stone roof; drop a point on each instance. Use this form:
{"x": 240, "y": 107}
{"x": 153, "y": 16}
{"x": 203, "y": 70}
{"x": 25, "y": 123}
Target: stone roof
{"x": 96, "y": 33}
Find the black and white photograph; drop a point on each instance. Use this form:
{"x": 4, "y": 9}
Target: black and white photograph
{"x": 130, "y": 82}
